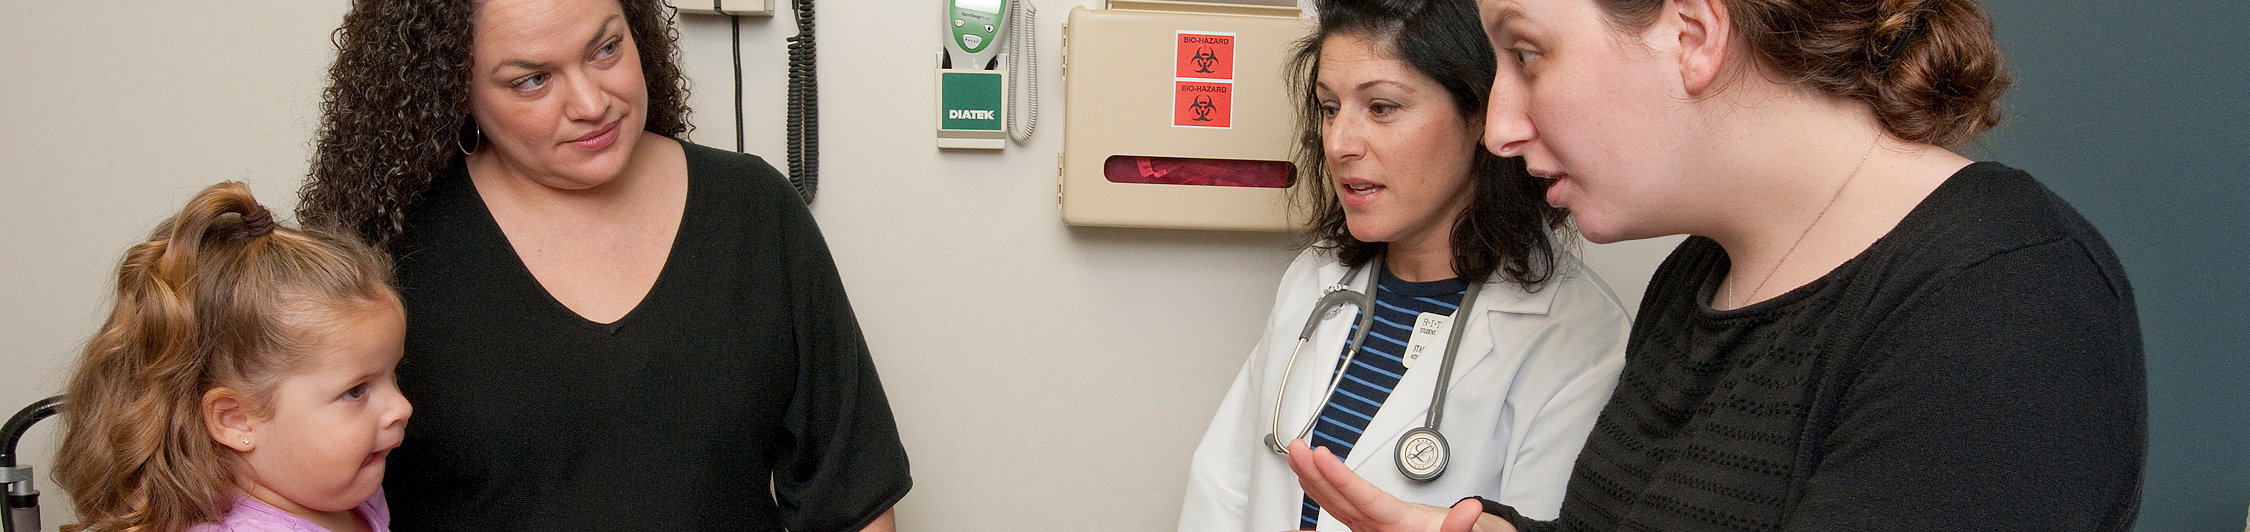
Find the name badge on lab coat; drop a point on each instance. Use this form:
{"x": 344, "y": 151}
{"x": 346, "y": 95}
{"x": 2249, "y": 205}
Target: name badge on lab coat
{"x": 1427, "y": 329}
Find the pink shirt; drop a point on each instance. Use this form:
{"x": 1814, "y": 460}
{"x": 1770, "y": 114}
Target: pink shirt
{"x": 252, "y": 515}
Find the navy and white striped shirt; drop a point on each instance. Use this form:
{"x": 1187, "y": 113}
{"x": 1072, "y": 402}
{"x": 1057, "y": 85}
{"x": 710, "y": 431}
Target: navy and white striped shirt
{"x": 1378, "y": 367}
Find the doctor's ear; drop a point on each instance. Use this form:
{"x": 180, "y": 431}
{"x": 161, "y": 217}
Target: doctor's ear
{"x": 1705, "y": 36}
{"x": 226, "y": 415}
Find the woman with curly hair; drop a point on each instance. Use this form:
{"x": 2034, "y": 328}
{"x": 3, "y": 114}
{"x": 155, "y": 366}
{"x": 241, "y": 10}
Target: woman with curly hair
{"x": 608, "y": 328}
{"x": 1865, "y": 331}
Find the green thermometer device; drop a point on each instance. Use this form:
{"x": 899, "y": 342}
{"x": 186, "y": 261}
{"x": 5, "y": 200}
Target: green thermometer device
{"x": 974, "y": 31}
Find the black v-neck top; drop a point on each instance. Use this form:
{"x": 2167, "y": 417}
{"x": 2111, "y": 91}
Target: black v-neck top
{"x": 1977, "y": 368}
{"x": 742, "y": 364}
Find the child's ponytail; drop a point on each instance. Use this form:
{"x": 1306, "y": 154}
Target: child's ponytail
{"x": 206, "y": 303}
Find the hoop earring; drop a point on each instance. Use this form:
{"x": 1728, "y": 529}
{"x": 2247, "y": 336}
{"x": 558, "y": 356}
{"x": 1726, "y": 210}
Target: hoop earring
{"x": 471, "y": 148}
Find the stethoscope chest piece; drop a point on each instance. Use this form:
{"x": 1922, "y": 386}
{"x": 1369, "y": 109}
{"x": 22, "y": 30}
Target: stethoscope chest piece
{"x": 1422, "y": 454}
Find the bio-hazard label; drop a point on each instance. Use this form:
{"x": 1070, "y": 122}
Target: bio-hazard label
{"x": 1202, "y": 104}
{"x": 1203, "y": 79}
{"x": 1204, "y": 55}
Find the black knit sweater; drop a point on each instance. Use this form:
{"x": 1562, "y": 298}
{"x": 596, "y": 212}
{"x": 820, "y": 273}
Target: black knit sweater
{"x": 1978, "y": 368}
{"x": 738, "y": 395}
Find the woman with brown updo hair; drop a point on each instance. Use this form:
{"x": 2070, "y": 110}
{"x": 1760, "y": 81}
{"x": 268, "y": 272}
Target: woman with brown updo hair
{"x": 608, "y": 328}
{"x": 1864, "y": 330}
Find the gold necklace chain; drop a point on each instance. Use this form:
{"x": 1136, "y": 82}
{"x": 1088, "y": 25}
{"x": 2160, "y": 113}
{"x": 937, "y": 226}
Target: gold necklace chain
{"x": 1808, "y": 227}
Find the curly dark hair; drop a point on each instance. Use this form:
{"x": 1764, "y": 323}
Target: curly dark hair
{"x": 396, "y": 107}
{"x": 1508, "y": 226}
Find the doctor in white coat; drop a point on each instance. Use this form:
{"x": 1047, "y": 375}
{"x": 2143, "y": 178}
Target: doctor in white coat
{"x": 1405, "y": 194}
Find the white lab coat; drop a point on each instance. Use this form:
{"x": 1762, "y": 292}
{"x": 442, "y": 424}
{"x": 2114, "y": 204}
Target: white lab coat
{"x": 1534, "y": 369}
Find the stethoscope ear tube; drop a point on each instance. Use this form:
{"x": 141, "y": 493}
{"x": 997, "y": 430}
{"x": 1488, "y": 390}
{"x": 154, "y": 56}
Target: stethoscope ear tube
{"x": 1336, "y": 297}
{"x": 1273, "y": 430}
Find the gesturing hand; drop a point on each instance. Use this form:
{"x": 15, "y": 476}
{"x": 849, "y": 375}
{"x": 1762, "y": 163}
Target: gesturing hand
{"x": 1366, "y": 508}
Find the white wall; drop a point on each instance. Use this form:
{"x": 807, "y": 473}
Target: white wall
{"x": 1044, "y": 377}
{"x": 115, "y": 113}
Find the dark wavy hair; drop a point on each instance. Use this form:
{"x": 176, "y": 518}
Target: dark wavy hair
{"x": 395, "y": 113}
{"x": 1508, "y": 227}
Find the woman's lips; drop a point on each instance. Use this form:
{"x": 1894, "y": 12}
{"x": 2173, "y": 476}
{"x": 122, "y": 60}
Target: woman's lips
{"x": 1359, "y": 193}
{"x": 1555, "y": 189}
{"x": 600, "y": 138}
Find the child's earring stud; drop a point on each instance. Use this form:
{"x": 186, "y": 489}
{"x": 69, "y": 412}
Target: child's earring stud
{"x": 245, "y": 442}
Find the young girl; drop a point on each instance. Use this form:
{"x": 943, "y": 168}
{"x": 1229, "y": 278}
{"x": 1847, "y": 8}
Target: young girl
{"x": 242, "y": 383}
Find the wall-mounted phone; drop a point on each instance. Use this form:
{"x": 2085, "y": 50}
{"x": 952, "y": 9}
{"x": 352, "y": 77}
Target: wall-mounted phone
{"x": 802, "y": 123}
{"x": 977, "y": 99}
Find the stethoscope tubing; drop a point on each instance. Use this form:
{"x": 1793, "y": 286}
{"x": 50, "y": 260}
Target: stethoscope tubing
{"x": 1337, "y": 296}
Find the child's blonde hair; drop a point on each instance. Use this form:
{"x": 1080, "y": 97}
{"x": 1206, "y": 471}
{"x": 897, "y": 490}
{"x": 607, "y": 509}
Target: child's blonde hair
{"x": 218, "y": 297}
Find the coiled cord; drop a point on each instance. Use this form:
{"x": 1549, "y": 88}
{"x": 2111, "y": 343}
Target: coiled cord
{"x": 803, "y": 122}
{"x": 1023, "y": 68}
{"x": 736, "y": 22}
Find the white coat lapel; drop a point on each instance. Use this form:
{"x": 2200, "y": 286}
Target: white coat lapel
{"x": 1409, "y": 404}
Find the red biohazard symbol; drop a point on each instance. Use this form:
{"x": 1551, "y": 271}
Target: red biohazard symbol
{"x": 1204, "y": 59}
{"x": 1203, "y": 55}
{"x": 1202, "y": 108}
{"x": 1202, "y": 104}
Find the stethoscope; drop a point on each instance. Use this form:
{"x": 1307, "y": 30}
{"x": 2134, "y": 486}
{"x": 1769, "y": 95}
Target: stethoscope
{"x": 1422, "y": 453}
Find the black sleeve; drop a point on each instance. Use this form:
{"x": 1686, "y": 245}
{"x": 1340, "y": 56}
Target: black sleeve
{"x": 842, "y": 465}
{"x": 1516, "y": 519}
{"x": 2007, "y": 396}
